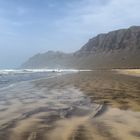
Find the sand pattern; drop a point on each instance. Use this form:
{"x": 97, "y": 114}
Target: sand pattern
{"x": 60, "y": 109}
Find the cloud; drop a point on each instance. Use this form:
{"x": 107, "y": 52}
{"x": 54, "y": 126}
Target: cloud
{"x": 33, "y": 26}
{"x": 100, "y": 16}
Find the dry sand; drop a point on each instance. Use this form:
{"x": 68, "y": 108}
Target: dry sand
{"x": 132, "y": 72}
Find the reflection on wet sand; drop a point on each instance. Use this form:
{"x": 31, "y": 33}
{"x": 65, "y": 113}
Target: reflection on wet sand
{"x": 64, "y": 109}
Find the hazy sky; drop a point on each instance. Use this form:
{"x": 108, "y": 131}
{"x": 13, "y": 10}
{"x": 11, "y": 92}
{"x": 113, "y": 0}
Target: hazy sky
{"x": 28, "y": 27}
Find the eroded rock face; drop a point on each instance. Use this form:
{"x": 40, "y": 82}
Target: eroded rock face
{"x": 116, "y": 49}
{"x": 128, "y": 39}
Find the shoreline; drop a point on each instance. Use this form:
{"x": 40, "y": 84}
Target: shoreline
{"x": 84, "y": 105}
{"x": 103, "y": 87}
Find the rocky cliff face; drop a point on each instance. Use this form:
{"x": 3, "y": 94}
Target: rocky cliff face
{"x": 125, "y": 39}
{"x": 116, "y": 49}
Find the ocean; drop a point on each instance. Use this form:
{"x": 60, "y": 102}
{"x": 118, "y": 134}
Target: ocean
{"x": 9, "y": 77}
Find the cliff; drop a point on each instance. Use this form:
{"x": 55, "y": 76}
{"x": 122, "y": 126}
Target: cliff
{"x": 116, "y": 49}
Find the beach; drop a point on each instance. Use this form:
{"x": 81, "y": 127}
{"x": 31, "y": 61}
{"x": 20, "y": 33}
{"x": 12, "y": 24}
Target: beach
{"x": 132, "y": 72}
{"x": 88, "y": 105}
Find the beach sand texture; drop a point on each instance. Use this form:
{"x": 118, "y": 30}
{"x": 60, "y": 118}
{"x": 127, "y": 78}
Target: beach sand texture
{"x": 98, "y": 105}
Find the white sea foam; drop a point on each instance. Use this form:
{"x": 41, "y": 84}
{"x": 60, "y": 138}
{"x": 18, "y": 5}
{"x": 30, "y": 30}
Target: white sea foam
{"x": 14, "y": 71}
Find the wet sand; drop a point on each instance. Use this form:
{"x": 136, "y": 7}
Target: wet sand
{"x": 98, "y": 105}
{"x": 106, "y": 87}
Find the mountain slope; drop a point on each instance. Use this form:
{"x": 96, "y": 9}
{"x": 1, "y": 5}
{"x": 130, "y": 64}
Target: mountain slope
{"x": 125, "y": 39}
{"x": 49, "y": 59}
{"x": 116, "y": 49}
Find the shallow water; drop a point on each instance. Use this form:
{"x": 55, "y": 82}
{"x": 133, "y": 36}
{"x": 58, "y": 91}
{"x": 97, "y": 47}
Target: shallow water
{"x": 24, "y": 103}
